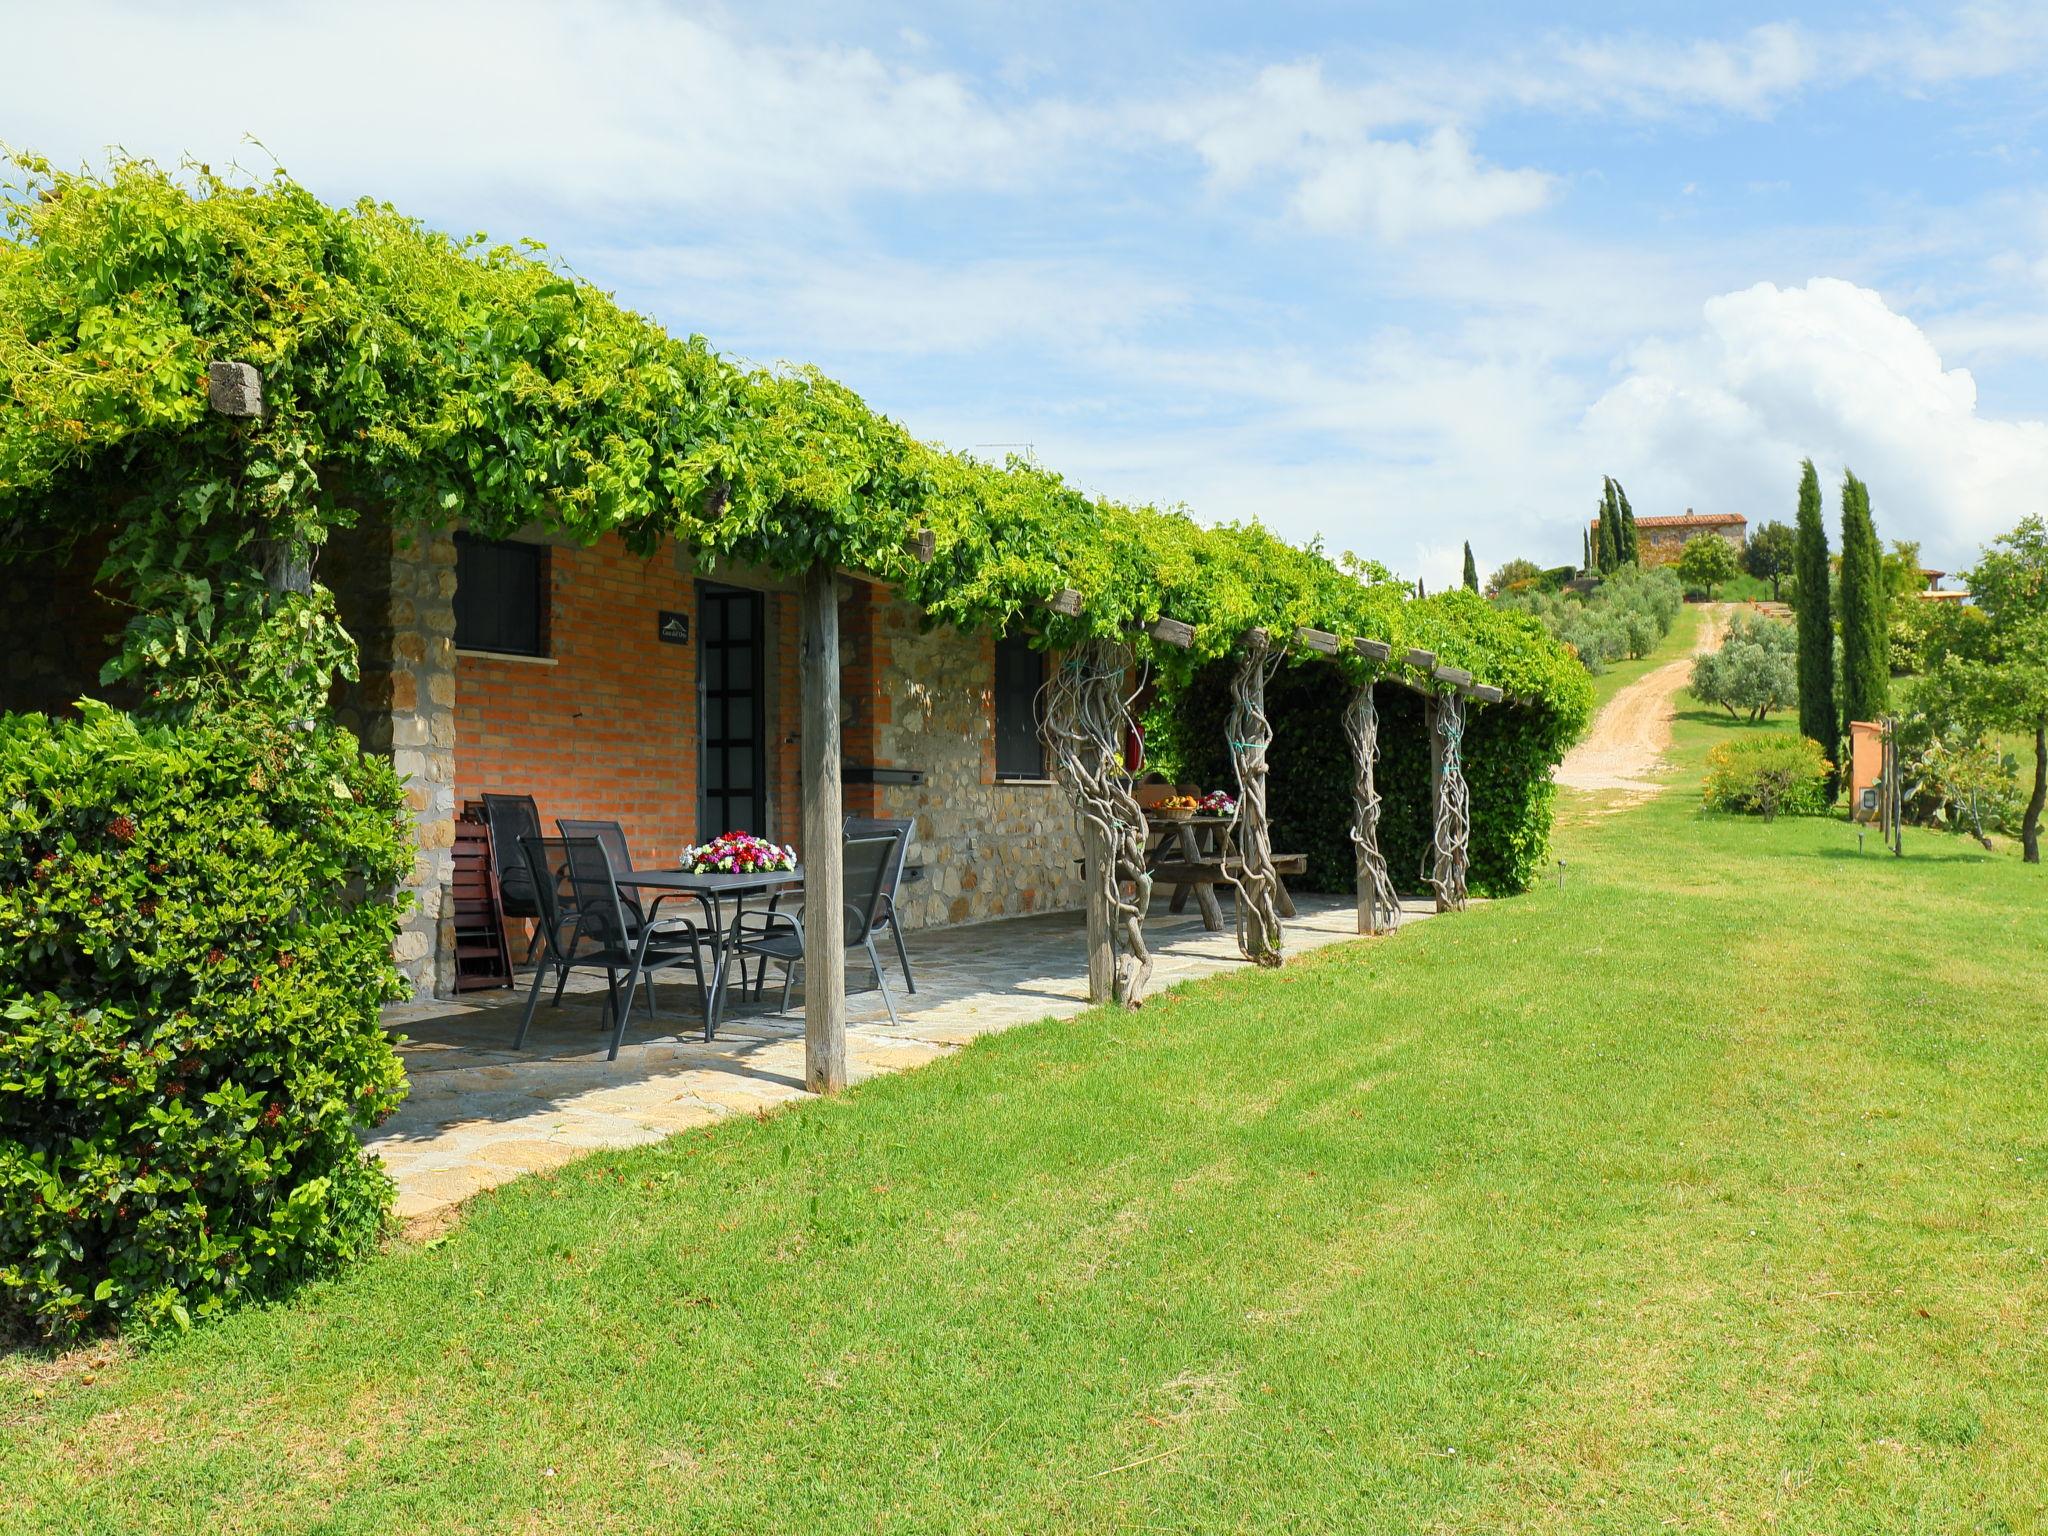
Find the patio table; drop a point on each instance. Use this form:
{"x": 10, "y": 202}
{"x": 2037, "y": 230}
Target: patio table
{"x": 711, "y": 891}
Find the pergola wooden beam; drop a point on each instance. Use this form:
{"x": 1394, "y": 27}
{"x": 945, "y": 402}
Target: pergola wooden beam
{"x": 1419, "y": 659}
{"x": 1316, "y": 639}
{"x": 1066, "y": 602}
{"x": 1457, "y": 677}
{"x": 1486, "y": 693}
{"x": 1171, "y": 632}
{"x": 923, "y": 544}
{"x": 1372, "y": 650}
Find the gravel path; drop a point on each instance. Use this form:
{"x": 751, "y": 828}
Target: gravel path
{"x": 1629, "y": 738}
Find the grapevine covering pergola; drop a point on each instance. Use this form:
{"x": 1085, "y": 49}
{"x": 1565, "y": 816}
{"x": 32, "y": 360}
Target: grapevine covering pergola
{"x": 211, "y": 376}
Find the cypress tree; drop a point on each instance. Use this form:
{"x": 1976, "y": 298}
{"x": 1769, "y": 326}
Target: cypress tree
{"x": 1471, "y": 570}
{"x": 1631, "y": 552}
{"x": 1816, "y": 622}
{"x": 1610, "y": 555}
{"x": 1866, "y": 651}
{"x": 1586, "y": 541}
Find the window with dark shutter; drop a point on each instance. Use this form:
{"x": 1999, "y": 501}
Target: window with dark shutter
{"x": 500, "y": 596}
{"x": 1020, "y": 672}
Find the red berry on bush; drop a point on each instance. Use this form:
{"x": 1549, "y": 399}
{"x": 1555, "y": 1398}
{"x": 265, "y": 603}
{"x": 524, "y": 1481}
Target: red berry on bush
{"x": 122, "y": 829}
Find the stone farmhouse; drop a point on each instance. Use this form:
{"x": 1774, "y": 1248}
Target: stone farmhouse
{"x": 1662, "y": 538}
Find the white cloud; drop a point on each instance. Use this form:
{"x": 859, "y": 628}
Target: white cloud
{"x": 858, "y": 302}
{"x": 622, "y": 104}
{"x": 1290, "y": 125}
{"x": 1720, "y": 419}
{"x": 1750, "y": 75}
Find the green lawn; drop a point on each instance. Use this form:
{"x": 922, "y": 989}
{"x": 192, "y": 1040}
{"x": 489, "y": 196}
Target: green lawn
{"x": 1705, "y": 1192}
{"x": 1679, "y": 642}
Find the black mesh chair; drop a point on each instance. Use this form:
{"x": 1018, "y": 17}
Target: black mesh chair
{"x": 885, "y": 910}
{"x": 779, "y": 936}
{"x": 587, "y": 923}
{"x": 613, "y": 835}
{"x": 510, "y": 819}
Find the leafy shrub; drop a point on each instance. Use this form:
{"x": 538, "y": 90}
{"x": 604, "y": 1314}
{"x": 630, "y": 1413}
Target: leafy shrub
{"x": 195, "y": 930}
{"x": 1755, "y": 671}
{"x": 1626, "y": 615}
{"x": 1766, "y": 775}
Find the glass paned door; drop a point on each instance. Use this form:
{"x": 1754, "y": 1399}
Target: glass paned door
{"x": 732, "y": 763}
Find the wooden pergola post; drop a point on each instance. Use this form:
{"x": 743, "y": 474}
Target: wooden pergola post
{"x": 823, "y": 851}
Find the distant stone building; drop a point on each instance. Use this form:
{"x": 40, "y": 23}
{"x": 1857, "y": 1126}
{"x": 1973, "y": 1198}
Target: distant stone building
{"x": 1659, "y": 539}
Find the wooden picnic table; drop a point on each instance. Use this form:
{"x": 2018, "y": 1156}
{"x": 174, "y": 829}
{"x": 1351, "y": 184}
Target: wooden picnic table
{"x": 1200, "y": 868}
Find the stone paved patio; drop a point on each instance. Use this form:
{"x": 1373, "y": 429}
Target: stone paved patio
{"x": 480, "y": 1113}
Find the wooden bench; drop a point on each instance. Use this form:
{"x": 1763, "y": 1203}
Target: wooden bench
{"x": 1200, "y": 875}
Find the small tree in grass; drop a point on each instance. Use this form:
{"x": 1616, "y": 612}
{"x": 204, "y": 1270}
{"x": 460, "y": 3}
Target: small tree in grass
{"x": 1754, "y": 672}
{"x": 1471, "y": 569}
{"x": 1770, "y": 554}
{"x": 1706, "y": 562}
{"x": 1996, "y": 668}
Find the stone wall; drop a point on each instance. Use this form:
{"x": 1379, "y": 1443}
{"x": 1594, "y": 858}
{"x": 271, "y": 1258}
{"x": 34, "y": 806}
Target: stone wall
{"x": 989, "y": 848}
{"x": 396, "y": 594}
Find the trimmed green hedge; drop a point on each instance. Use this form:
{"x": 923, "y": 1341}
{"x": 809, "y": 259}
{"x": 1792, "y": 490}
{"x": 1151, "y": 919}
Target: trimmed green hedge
{"x": 195, "y": 931}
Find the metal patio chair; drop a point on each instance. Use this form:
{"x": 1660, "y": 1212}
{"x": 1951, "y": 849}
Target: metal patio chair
{"x": 903, "y": 829}
{"x": 779, "y": 936}
{"x": 580, "y": 891}
{"x": 509, "y": 819}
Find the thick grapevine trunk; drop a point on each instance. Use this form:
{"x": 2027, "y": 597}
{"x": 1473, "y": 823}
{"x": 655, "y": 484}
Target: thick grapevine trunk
{"x": 1451, "y": 850}
{"x": 1248, "y": 846}
{"x": 1088, "y": 718}
{"x": 1379, "y": 907}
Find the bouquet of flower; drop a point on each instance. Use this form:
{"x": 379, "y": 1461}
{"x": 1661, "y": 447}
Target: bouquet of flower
{"x": 738, "y": 853}
{"x": 1217, "y": 803}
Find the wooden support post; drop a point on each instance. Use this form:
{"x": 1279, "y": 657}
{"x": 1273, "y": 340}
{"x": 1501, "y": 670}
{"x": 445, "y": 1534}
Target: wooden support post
{"x": 1101, "y": 917}
{"x": 823, "y": 849}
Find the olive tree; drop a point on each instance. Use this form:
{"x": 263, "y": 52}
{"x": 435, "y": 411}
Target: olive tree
{"x": 1755, "y": 671}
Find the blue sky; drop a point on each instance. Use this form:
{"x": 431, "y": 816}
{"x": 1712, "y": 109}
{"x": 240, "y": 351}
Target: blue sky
{"x": 1397, "y": 275}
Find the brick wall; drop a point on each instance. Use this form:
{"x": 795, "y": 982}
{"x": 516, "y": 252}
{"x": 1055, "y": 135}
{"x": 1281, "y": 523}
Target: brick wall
{"x": 606, "y": 726}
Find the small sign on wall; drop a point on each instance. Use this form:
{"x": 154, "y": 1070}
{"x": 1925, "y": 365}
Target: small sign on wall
{"x": 672, "y": 628}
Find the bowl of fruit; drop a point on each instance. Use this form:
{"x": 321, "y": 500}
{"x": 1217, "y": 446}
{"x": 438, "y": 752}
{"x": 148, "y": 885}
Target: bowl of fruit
{"x": 1174, "y": 808}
